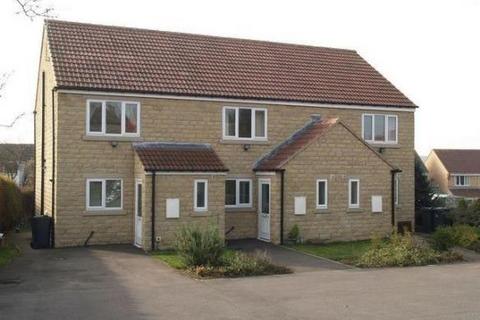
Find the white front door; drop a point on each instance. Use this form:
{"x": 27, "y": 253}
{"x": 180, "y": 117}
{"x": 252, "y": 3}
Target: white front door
{"x": 138, "y": 213}
{"x": 264, "y": 209}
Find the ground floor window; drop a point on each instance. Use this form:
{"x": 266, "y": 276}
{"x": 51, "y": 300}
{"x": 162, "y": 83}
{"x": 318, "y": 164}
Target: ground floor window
{"x": 104, "y": 194}
{"x": 353, "y": 193}
{"x": 200, "y": 195}
{"x": 238, "y": 193}
{"x": 322, "y": 194}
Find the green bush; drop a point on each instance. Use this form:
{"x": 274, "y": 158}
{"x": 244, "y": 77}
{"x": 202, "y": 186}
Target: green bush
{"x": 466, "y": 213}
{"x": 11, "y": 203}
{"x": 445, "y": 238}
{"x": 200, "y": 246}
{"x": 294, "y": 233}
{"x": 399, "y": 250}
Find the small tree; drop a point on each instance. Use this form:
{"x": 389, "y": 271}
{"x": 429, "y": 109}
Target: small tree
{"x": 424, "y": 190}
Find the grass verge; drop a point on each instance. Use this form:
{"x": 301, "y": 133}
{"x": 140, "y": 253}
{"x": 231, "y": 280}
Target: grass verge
{"x": 345, "y": 252}
{"x": 7, "y": 254}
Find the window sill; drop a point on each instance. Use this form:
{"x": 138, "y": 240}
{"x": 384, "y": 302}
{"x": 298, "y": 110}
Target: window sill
{"x": 322, "y": 211}
{"x": 354, "y": 210}
{"x": 234, "y": 141}
{"x": 112, "y": 138}
{"x": 384, "y": 145}
{"x": 119, "y": 212}
{"x": 240, "y": 209}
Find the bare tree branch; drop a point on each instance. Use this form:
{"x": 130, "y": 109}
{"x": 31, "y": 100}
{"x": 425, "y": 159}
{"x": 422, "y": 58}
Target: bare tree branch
{"x": 34, "y": 8}
{"x": 3, "y": 81}
{"x": 11, "y": 124}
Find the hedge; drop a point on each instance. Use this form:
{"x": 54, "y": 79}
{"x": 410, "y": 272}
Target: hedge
{"x": 15, "y": 205}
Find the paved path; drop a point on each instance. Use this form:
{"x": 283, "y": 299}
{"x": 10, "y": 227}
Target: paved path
{"x": 297, "y": 261}
{"x": 119, "y": 282}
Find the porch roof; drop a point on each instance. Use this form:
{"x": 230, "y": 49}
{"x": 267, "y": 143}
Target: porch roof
{"x": 172, "y": 156}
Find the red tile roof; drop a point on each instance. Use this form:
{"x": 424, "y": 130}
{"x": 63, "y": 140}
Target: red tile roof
{"x": 108, "y": 58}
{"x": 167, "y": 156}
{"x": 460, "y": 161}
{"x": 276, "y": 159}
{"x": 466, "y": 193}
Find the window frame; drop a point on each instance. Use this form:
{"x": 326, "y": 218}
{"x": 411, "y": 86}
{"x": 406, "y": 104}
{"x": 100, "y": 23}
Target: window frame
{"x": 195, "y": 195}
{"x": 237, "y": 124}
{"x": 397, "y": 190}
{"x": 237, "y": 194}
{"x": 103, "y": 207}
{"x": 466, "y": 180}
{"x": 103, "y": 132}
{"x": 387, "y": 116}
{"x": 350, "y": 204}
{"x": 321, "y": 206}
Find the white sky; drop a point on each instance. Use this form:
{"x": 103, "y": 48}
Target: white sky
{"x": 429, "y": 49}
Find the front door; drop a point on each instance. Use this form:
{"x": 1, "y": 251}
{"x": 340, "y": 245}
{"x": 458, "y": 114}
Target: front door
{"x": 264, "y": 209}
{"x": 138, "y": 213}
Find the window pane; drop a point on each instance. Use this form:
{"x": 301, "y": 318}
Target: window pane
{"x": 245, "y": 123}
{"x": 114, "y": 117}
{"x": 131, "y": 118}
{"x": 95, "y": 116}
{"x": 113, "y": 194}
{"x": 260, "y": 123}
{"x": 95, "y": 194}
{"x": 230, "y": 122}
{"x": 265, "y": 198}
{"x": 392, "y": 129}
{"x": 244, "y": 192}
{"x": 139, "y": 200}
{"x": 379, "y": 128}
{"x": 322, "y": 199}
{"x": 200, "y": 194}
{"x": 367, "y": 128}
{"x": 353, "y": 192}
{"x": 230, "y": 192}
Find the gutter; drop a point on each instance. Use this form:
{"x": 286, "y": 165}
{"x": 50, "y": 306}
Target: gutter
{"x": 393, "y": 172}
{"x": 153, "y": 211}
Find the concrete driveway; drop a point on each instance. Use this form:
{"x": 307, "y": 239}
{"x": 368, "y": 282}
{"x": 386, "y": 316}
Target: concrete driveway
{"x": 120, "y": 282}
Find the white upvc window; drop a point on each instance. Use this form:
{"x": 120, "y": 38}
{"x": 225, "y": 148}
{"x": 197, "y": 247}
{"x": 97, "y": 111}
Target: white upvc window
{"x": 239, "y": 123}
{"x": 462, "y": 181}
{"x": 322, "y": 194}
{"x": 380, "y": 128}
{"x": 104, "y": 194}
{"x": 354, "y": 193}
{"x": 113, "y": 118}
{"x": 238, "y": 193}
{"x": 200, "y": 192}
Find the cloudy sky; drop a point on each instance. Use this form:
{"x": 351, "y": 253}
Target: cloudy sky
{"x": 429, "y": 49}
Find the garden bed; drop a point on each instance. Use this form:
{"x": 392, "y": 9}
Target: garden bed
{"x": 233, "y": 264}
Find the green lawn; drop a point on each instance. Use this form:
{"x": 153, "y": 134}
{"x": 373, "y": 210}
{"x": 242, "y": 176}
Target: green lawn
{"x": 345, "y": 252}
{"x": 7, "y": 253}
{"x": 171, "y": 258}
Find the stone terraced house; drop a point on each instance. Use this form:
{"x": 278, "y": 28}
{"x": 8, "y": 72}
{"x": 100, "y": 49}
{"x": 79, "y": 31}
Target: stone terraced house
{"x": 139, "y": 132}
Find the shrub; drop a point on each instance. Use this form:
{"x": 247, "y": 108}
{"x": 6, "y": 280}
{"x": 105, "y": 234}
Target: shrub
{"x": 466, "y": 213}
{"x": 11, "y": 204}
{"x": 445, "y": 238}
{"x": 399, "y": 250}
{"x": 294, "y": 233}
{"x": 200, "y": 246}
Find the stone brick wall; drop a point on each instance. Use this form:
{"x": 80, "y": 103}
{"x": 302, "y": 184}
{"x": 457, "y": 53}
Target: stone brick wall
{"x": 337, "y": 157}
{"x": 437, "y": 172}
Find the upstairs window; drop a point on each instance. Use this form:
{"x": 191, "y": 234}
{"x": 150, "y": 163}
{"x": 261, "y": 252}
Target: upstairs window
{"x": 244, "y": 123}
{"x": 114, "y": 118}
{"x": 462, "y": 181}
{"x": 322, "y": 194}
{"x": 380, "y": 128}
{"x": 238, "y": 193}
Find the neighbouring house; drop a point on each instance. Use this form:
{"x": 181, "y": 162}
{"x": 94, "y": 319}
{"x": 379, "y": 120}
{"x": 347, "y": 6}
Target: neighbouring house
{"x": 16, "y": 162}
{"x": 455, "y": 172}
{"x": 143, "y": 131}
